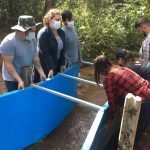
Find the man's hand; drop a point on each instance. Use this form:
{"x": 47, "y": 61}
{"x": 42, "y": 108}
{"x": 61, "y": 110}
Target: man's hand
{"x": 42, "y": 76}
{"x": 20, "y": 85}
{"x": 51, "y": 73}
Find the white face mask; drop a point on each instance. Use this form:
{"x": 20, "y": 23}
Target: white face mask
{"x": 30, "y": 36}
{"x": 70, "y": 24}
{"x": 56, "y": 24}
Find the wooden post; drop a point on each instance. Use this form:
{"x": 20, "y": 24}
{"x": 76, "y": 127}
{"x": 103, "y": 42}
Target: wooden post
{"x": 129, "y": 122}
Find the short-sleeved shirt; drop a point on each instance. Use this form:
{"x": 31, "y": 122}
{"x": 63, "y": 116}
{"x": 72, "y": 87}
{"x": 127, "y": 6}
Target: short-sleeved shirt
{"x": 22, "y": 52}
{"x": 122, "y": 81}
{"x": 145, "y": 49}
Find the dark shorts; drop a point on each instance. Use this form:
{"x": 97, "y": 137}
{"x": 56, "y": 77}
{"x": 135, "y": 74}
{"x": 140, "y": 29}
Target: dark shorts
{"x": 11, "y": 85}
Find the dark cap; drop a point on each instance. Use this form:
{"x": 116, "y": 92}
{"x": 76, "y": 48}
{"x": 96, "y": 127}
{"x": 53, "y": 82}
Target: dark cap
{"x": 121, "y": 53}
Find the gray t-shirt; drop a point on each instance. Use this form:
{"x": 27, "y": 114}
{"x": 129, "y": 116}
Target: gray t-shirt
{"x": 72, "y": 48}
{"x": 60, "y": 46}
{"x": 22, "y": 52}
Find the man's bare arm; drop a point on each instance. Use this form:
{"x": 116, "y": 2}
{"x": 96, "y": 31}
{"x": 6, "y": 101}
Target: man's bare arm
{"x": 37, "y": 64}
{"x": 9, "y": 66}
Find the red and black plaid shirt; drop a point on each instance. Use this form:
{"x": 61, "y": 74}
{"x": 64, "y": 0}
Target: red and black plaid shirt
{"x": 120, "y": 81}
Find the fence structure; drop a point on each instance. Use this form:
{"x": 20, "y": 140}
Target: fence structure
{"x": 132, "y": 107}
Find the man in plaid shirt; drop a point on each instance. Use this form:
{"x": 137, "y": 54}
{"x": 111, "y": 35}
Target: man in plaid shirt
{"x": 143, "y": 27}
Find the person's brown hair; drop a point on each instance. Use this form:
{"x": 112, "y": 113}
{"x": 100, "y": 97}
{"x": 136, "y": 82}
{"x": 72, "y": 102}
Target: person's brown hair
{"x": 67, "y": 14}
{"x": 50, "y": 15}
{"x": 142, "y": 21}
{"x": 102, "y": 65}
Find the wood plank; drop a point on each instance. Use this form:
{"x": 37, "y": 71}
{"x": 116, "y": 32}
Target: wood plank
{"x": 129, "y": 122}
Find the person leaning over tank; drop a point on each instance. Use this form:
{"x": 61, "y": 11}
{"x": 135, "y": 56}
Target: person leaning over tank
{"x": 118, "y": 82}
{"x": 51, "y": 41}
{"x": 127, "y": 59}
{"x": 19, "y": 52}
{"x": 72, "y": 46}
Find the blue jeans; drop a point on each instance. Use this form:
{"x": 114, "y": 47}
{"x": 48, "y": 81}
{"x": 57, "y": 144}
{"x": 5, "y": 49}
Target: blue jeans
{"x": 11, "y": 85}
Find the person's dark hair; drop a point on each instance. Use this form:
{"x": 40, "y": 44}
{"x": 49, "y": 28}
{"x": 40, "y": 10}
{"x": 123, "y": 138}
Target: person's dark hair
{"x": 102, "y": 65}
{"x": 67, "y": 14}
{"x": 125, "y": 54}
{"x": 142, "y": 21}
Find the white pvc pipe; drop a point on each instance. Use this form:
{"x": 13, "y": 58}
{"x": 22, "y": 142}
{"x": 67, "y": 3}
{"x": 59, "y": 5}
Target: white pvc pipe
{"x": 67, "y": 97}
{"x": 92, "y": 133}
{"x": 88, "y": 63}
{"x": 80, "y": 80}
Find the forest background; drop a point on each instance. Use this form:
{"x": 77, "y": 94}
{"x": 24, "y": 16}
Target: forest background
{"x": 103, "y": 25}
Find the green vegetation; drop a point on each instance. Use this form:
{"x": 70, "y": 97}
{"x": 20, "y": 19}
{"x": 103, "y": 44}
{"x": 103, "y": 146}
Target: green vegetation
{"x": 103, "y": 25}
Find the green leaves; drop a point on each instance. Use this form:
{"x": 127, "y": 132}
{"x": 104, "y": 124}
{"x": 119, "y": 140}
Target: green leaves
{"x": 109, "y": 27}
{"x": 103, "y": 25}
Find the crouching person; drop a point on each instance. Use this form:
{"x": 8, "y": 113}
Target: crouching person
{"x": 118, "y": 82}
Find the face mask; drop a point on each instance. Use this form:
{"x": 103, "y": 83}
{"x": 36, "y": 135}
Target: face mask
{"x": 30, "y": 36}
{"x": 70, "y": 24}
{"x": 56, "y": 25}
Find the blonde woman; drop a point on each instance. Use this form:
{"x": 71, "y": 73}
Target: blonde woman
{"x": 51, "y": 41}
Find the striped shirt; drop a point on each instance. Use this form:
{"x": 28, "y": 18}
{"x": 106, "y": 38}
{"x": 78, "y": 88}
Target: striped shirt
{"x": 120, "y": 81}
{"x": 145, "y": 49}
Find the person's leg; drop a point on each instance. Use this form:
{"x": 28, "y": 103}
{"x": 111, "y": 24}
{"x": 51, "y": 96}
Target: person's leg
{"x": 144, "y": 120}
{"x": 35, "y": 76}
{"x": 11, "y": 86}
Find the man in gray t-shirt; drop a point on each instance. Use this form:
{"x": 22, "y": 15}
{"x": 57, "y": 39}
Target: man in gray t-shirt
{"x": 19, "y": 51}
{"x": 72, "y": 47}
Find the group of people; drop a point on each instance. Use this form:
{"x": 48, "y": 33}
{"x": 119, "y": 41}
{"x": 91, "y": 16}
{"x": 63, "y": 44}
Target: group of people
{"x": 128, "y": 76}
{"x": 54, "y": 49}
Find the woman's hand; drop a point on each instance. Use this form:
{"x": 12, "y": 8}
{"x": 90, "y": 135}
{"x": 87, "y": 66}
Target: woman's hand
{"x": 51, "y": 73}
{"x": 62, "y": 69}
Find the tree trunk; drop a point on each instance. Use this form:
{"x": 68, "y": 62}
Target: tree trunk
{"x": 49, "y": 4}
